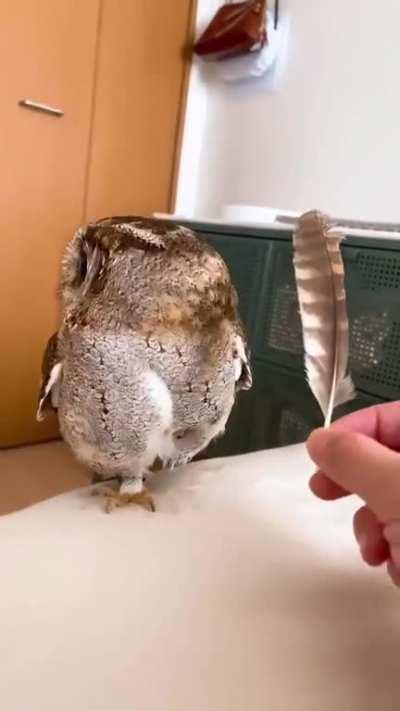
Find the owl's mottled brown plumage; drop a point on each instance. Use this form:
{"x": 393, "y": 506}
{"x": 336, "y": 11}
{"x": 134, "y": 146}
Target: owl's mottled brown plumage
{"x": 150, "y": 351}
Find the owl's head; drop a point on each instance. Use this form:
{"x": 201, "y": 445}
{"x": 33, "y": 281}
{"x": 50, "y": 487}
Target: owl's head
{"x": 99, "y": 246}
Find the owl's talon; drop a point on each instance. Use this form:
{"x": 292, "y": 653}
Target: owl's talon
{"x": 152, "y": 507}
{"x": 109, "y": 505}
{"x": 106, "y": 491}
{"x": 114, "y": 499}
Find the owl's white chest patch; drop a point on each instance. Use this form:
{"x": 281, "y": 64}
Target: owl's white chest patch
{"x": 160, "y": 396}
{"x": 160, "y": 442}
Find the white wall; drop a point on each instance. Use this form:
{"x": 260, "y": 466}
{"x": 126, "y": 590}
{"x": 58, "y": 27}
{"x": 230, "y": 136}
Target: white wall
{"x": 196, "y": 125}
{"x": 329, "y": 138}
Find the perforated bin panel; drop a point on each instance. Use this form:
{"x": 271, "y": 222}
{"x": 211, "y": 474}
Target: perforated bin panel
{"x": 246, "y": 259}
{"x": 278, "y": 411}
{"x": 373, "y": 298}
{"x": 283, "y": 409}
{"x": 280, "y": 408}
{"x": 373, "y": 295}
{"x": 278, "y": 331}
{"x": 377, "y": 269}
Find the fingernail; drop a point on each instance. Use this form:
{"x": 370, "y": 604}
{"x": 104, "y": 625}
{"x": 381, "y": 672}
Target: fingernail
{"x": 364, "y": 546}
{"x": 362, "y": 539}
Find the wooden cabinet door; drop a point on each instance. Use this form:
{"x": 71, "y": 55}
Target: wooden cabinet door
{"x": 139, "y": 92}
{"x": 47, "y": 54}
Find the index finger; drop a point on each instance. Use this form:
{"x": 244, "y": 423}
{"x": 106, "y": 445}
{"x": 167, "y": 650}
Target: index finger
{"x": 380, "y": 422}
{"x": 362, "y": 466}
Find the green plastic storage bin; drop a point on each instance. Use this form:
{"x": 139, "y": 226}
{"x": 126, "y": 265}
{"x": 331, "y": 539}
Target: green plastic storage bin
{"x": 280, "y": 408}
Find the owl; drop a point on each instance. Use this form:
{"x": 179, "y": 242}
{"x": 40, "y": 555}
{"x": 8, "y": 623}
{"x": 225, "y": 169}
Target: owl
{"x": 150, "y": 353}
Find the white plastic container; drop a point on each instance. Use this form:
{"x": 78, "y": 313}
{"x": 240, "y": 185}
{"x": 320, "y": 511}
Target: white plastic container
{"x": 250, "y": 214}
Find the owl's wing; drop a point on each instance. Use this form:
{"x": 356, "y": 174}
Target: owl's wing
{"x": 241, "y": 360}
{"x": 51, "y": 378}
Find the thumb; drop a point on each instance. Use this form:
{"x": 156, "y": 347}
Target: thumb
{"x": 361, "y": 466}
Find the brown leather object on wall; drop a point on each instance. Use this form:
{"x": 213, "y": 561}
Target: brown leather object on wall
{"x": 236, "y": 28}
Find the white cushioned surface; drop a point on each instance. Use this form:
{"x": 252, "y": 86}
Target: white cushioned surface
{"x": 241, "y": 592}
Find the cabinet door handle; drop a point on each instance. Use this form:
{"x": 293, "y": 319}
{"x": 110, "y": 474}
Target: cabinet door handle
{"x": 37, "y": 106}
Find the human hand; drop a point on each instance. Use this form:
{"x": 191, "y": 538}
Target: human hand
{"x": 360, "y": 454}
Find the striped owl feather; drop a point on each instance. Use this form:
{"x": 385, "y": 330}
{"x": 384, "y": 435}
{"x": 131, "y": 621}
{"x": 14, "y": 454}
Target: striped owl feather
{"x": 319, "y": 276}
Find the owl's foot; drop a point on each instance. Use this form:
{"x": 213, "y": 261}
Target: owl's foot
{"x": 116, "y": 498}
